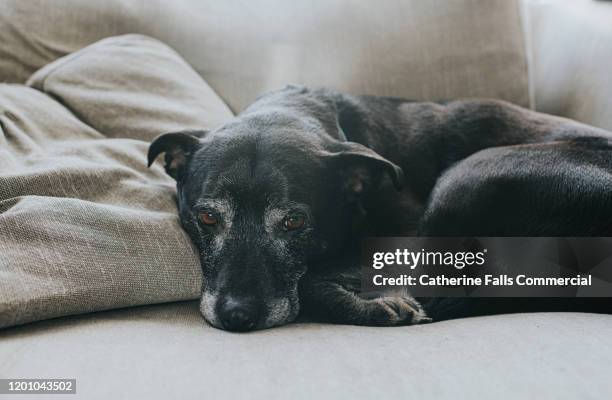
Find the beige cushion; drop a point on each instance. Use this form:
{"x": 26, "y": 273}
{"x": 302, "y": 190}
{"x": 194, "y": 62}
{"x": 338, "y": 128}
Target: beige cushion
{"x": 84, "y": 225}
{"x": 406, "y": 48}
{"x": 132, "y": 86}
{"x": 571, "y": 42}
{"x": 169, "y": 352}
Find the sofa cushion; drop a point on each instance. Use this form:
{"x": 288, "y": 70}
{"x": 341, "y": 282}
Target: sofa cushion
{"x": 132, "y": 86}
{"x": 572, "y": 59}
{"x": 407, "y": 48}
{"x": 84, "y": 224}
{"x": 168, "y": 351}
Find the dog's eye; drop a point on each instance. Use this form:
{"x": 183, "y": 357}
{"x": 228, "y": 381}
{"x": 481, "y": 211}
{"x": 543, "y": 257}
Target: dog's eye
{"x": 294, "y": 222}
{"x": 208, "y": 218}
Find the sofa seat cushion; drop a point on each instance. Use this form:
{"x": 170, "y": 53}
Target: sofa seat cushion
{"x": 168, "y": 351}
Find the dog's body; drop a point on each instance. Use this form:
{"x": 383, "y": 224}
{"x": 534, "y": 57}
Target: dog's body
{"x": 278, "y": 199}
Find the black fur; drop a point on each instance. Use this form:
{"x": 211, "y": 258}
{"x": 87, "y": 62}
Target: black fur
{"x": 355, "y": 166}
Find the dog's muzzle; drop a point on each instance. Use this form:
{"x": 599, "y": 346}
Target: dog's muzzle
{"x": 238, "y": 314}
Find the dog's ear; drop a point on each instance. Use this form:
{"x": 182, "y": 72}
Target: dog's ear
{"x": 178, "y": 146}
{"x": 359, "y": 164}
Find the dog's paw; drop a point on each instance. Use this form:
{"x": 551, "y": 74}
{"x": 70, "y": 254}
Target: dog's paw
{"x": 341, "y": 303}
{"x": 400, "y": 310}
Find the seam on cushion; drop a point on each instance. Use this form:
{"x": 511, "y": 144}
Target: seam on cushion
{"x": 48, "y": 97}
{"x": 62, "y": 61}
{"x": 52, "y": 71}
{"x": 101, "y": 43}
{"x": 523, "y": 14}
{"x": 7, "y": 204}
{"x": 65, "y": 106}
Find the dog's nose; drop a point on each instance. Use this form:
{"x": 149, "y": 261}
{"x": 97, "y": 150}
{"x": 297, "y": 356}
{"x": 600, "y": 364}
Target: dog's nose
{"x": 238, "y": 314}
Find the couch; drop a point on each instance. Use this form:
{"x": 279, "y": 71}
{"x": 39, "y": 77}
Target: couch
{"x": 552, "y": 56}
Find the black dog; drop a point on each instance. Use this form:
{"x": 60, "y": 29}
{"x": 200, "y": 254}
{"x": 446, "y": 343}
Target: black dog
{"x": 278, "y": 199}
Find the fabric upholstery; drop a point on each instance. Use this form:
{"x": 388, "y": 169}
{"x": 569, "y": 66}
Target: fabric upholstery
{"x": 132, "y": 86}
{"x": 416, "y": 49}
{"x": 165, "y": 352}
{"x": 407, "y": 48}
{"x": 84, "y": 225}
{"x": 572, "y": 59}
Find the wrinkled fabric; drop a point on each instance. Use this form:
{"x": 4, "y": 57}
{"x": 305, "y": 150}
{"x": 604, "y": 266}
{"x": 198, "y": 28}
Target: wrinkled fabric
{"x": 84, "y": 224}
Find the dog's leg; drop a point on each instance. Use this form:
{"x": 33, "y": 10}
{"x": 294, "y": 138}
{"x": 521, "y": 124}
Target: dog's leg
{"x": 336, "y": 297}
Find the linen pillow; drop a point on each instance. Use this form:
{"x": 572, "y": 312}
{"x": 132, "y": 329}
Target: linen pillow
{"x": 84, "y": 225}
{"x": 132, "y": 86}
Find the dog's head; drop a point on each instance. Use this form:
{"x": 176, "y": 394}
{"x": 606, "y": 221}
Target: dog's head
{"x": 260, "y": 197}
